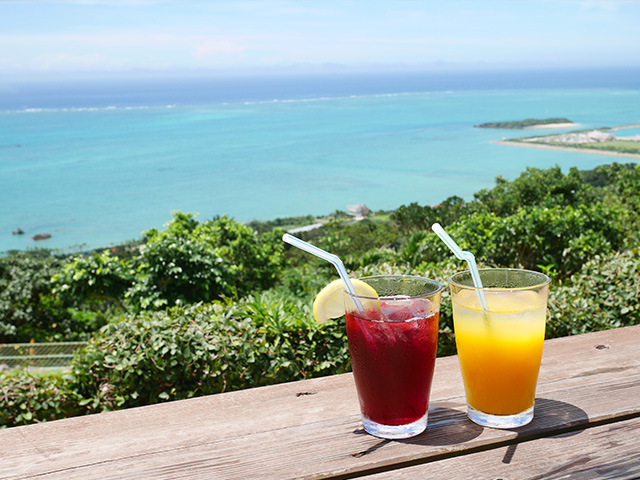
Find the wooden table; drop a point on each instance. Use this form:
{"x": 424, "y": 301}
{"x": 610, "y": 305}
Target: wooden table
{"x": 586, "y": 425}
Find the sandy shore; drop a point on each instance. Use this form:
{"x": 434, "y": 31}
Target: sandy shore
{"x": 624, "y": 127}
{"x": 592, "y": 151}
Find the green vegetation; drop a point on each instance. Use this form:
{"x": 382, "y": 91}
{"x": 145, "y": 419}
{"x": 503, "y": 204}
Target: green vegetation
{"x": 620, "y": 146}
{"x": 209, "y": 306}
{"x": 584, "y": 140}
{"x": 529, "y": 122}
{"x": 287, "y": 223}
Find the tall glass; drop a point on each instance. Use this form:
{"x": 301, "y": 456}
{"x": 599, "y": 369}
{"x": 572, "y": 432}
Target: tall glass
{"x": 500, "y": 349}
{"x": 393, "y": 342}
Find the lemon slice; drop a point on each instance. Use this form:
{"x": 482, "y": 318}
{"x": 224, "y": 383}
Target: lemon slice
{"x": 329, "y": 302}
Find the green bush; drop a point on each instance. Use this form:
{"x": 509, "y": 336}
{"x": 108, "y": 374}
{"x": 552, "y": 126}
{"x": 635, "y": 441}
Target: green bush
{"x": 306, "y": 280}
{"x": 603, "y": 295}
{"x": 96, "y": 279}
{"x": 25, "y": 399}
{"x": 622, "y": 189}
{"x": 207, "y": 307}
{"x": 193, "y": 261}
{"x": 203, "y": 349}
{"x": 418, "y": 248}
{"x": 556, "y": 239}
{"x": 28, "y": 308}
{"x": 350, "y": 242}
{"x": 534, "y": 188}
{"x": 414, "y": 217}
{"x": 188, "y": 262}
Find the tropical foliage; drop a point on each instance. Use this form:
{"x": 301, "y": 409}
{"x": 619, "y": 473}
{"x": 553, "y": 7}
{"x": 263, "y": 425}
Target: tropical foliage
{"x": 203, "y": 307}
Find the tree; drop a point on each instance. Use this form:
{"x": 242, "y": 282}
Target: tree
{"x": 28, "y": 310}
{"x": 534, "y": 187}
{"x": 99, "y": 280}
{"x": 191, "y": 261}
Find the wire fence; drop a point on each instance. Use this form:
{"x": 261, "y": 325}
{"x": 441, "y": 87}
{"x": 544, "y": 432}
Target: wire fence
{"x": 38, "y": 355}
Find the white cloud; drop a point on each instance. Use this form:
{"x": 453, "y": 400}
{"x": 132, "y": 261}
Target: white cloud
{"x": 202, "y": 34}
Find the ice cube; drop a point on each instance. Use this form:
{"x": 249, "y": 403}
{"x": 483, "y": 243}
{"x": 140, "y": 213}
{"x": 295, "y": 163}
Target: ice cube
{"x": 420, "y": 308}
{"x": 395, "y": 309}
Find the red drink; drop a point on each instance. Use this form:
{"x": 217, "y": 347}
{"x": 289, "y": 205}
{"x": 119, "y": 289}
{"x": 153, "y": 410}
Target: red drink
{"x": 393, "y": 352}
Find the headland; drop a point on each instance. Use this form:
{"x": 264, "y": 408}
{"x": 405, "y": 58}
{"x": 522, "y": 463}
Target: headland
{"x": 595, "y": 141}
{"x": 556, "y": 122}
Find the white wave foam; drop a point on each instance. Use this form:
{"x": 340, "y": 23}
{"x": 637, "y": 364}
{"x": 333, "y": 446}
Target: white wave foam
{"x": 83, "y": 109}
{"x": 227, "y": 103}
{"x": 355, "y": 96}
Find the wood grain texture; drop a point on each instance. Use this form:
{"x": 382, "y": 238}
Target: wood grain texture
{"x": 604, "y": 452}
{"x": 311, "y": 428}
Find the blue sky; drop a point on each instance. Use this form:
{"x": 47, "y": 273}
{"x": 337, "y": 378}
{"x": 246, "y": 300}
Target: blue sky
{"x": 134, "y": 37}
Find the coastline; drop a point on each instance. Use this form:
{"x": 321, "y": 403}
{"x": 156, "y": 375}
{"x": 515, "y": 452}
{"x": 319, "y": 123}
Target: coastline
{"x": 256, "y": 168}
{"x": 623, "y": 127}
{"x": 592, "y": 151}
{"x": 553, "y": 125}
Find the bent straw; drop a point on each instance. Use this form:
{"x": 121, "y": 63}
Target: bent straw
{"x": 467, "y": 257}
{"x": 329, "y": 257}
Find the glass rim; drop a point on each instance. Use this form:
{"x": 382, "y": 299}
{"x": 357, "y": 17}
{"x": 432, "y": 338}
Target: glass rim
{"x": 395, "y": 297}
{"x": 545, "y": 280}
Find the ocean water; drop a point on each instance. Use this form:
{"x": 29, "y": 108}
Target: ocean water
{"x": 97, "y": 163}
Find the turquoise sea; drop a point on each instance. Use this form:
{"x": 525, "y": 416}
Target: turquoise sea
{"x": 97, "y": 163}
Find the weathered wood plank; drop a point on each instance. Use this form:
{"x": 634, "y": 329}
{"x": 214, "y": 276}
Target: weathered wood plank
{"x": 604, "y": 452}
{"x": 311, "y": 429}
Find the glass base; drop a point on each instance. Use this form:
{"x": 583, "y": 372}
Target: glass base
{"x": 500, "y": 421}
{"x": 395, "y": 431}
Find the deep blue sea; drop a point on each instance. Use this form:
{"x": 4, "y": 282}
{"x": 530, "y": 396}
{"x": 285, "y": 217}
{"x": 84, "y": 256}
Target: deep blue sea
{"x": 97, "y": 163}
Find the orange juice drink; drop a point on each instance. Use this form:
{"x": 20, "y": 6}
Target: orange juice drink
{"x": 500, "y": 348}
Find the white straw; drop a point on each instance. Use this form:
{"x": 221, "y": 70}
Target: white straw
{"x": 329, "y": 257}
{"x": 467, "y": 257}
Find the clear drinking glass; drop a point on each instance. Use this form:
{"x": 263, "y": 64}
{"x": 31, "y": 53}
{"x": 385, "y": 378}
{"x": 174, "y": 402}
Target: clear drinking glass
{"x": 500, "y": 349}
{"x": 393, "y": 342}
